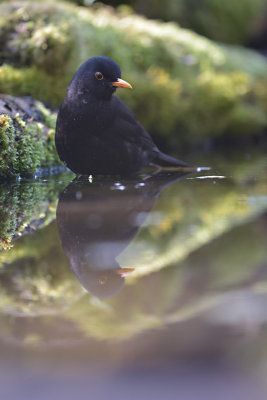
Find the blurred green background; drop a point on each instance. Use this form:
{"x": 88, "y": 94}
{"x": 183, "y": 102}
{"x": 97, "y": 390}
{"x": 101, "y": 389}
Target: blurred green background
{"x": 197, "y": 67}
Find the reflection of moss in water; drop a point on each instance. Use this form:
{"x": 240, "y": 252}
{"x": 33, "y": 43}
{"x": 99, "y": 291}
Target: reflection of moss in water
{"x": 25, "y": 207}
{"x": 236, "y": 257}
{"x": 183, "y": 82}
{"x": 36, "y": 279}
{"x": 193, "y": 215}
{"x": 207, "y": 278}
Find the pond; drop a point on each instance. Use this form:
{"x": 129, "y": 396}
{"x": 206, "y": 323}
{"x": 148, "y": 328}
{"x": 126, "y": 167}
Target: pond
{"x": 150, "y": 287}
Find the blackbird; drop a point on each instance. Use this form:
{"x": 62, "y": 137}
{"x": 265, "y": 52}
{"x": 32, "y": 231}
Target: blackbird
{"x": 96, "y": 133}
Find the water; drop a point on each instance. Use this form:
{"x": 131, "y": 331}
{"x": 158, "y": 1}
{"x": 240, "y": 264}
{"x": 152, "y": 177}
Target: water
{"x": 145, "y": 288}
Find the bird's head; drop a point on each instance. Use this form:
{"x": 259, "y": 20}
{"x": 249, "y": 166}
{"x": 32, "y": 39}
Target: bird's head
{"x": 99, "y": 77}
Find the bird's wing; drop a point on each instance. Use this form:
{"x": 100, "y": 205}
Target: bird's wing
{"x": 131, "y": 130}
{"x": 133, "y": 133}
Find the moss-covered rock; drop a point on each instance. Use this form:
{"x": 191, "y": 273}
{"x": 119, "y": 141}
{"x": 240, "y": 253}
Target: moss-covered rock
{"x": 26, "y": 138}
{"x": 185, "y": 87}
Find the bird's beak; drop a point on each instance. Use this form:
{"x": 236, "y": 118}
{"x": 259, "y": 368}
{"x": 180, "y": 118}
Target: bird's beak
{"x": 121, "y": 83}
{"x": 123, "y": 272}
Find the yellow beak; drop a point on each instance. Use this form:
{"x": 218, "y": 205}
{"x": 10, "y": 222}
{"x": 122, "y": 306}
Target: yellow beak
{"x": 121, "y": 83}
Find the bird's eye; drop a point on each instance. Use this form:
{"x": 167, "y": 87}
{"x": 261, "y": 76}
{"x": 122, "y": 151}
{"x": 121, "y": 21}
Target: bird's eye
{"x": 99, "y": 76}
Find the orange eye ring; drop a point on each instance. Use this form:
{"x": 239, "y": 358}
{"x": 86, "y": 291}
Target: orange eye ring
{"x": 99, "y": 76}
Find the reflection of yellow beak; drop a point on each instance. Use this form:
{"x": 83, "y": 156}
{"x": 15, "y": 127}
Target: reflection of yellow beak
{"x": 123, "y": 272}
{"x": 121, "y": 83}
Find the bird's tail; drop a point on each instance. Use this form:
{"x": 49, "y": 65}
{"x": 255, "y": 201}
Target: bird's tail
{"x": 165, "y": 161}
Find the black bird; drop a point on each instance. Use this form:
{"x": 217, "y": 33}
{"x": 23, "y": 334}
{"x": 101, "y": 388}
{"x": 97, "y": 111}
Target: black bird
{"x": 96, "y": 133}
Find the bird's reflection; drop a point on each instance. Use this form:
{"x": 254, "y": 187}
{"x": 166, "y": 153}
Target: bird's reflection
{"x": 97, "y": 221}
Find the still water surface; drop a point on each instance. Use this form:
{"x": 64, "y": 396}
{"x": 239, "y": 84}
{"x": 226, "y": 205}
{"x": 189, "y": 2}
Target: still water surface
{"x": 144, "y": 288}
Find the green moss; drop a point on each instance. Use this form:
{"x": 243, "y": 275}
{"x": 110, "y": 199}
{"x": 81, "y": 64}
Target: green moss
{"x": 27, "y": 145}
{"x": 42, "y": 42}
{"x": 31, "y": 81}
{"x": 186, "y": 87}
{"x": 8, "y": 157}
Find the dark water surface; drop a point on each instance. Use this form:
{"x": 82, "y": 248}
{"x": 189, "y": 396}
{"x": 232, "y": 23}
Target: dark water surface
{"x": 153, "y": 287}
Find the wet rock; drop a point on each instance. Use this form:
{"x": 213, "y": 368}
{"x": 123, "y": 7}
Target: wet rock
{"x": 23, "y": 106}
